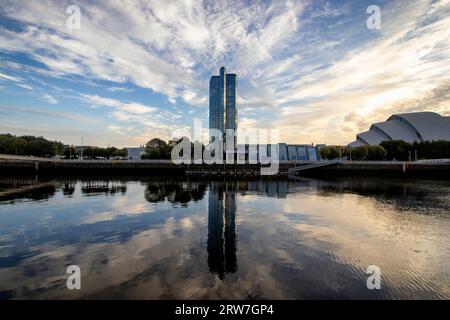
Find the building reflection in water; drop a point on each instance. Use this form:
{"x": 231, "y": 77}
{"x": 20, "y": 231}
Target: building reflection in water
{"x": 222, "y": 230}
{"x": 105, "y": 187}
{"x": 68, "y": 188}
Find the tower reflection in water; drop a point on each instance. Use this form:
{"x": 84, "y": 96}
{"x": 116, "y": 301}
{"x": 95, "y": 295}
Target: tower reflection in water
{"x": 222, "y": 230}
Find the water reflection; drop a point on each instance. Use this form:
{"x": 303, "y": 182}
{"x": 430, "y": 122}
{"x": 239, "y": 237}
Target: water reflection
{"x": 95, "y": 188}
{"x": 27, "y": 189}
{"x": 222, "y": 230}
{"x": 176, "y": 192}
{"x": 164, "y": 238}
{"x": 69, "y": 188}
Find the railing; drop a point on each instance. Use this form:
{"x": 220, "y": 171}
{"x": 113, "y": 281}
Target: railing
{"x": 306, "y": 162}
{"x": 29, "y": 158}
{"x": 113, "y": 161}
{"x": 282, "y": 162}
{"x": 432, "y": 161}
{"x": 314, "y": 165}
{"x": 32, "y": 158}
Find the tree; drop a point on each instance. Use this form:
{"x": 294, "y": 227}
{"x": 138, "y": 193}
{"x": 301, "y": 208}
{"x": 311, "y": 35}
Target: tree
{"x": 329, "y": 152}
{"x": 431, "y": 149}
{"x": 29, "y": 146}
{"x": 396, "y": 149}
{"x": 360, "y": 153}
{"x": 376, "y": 153}
{"x": 70, "y": 152}
{"x": 173, "y": 142}
{"x": 122, "y": 153}
{"x": 39, "y": 147}
{"x": 59, "y": 148}
{"x": 110, "y": 152}
{"x": 10, "y": 144}
{"x": 156, "y": 149}
{"x": 92, "y": 153}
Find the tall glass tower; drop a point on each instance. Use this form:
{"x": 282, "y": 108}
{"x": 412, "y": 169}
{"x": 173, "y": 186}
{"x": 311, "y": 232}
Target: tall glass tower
{"x": 223, "y": 101}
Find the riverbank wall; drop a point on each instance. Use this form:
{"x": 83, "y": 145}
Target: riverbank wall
{"x": 166, "y": 167}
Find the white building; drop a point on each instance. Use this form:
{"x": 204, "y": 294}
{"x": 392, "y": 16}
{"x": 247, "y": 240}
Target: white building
{"x": 409, "y": 127}
{"x": 135, "y": 153}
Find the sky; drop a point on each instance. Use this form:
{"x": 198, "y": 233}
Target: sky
{"x": 136, "y": 70}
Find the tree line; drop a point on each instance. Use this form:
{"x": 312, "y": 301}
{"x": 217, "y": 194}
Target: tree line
{"x": 29, "y": 146}
{"x": 41, "y": 147}
{"x": 390, "y": 150}
{"x": 157, "y": 149}
{"x": 93, "y": 153}
{"x": 160, "y": 149}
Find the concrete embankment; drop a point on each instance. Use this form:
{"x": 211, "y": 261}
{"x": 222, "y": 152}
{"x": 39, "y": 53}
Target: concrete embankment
{"x": 62, "y": 166}
{"x": 407, "y": 169}
{"x": 360, "y": 168}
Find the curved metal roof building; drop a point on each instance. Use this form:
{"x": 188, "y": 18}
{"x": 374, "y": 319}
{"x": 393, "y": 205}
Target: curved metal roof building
{"x": 409, "y": 127}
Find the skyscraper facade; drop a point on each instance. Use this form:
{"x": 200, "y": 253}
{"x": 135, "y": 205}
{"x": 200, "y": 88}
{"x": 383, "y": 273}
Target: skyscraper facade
{"x": 223, "y": 101}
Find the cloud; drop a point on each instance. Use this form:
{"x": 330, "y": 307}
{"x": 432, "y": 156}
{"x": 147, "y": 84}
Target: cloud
{"x": 399, "y": 71}
{"x": 329, "y": 10}
{"x": 119, "y": 89}
{"x": 156, "y": 45}
{"x": 117, "y": 129}
{"x": 436, "y": 100}
{"x": 303, "y": 66}
{"x": 122, "y": 107}
{"x": 16, "y": 80}
{"x": 9, "y": 77}
{"x": 49, "y": 99}
{"x": 24, "y": 86}
{"x": 23, "y": 111}
{"x": 137, "y": 121}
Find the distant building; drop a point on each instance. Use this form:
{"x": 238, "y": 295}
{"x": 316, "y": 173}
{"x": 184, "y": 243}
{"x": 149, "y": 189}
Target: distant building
{"x": 223, "y": 115}
{"x": 135, "y": 153}
{"x": 409, "y": 127}
{"x": 299, "y": 152}
{"x": 79, "y": 148}
{"x": 223, "y": 101}
{"x": 286, "y": 152}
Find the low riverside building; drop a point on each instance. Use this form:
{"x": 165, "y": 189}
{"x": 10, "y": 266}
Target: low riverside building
{"x": 79, "y": 148}
{"x": 287, "y": 152}
{"x": 253, "y": 153}
{"x": 296, "y": 152}
{"x": 135, "y": 153}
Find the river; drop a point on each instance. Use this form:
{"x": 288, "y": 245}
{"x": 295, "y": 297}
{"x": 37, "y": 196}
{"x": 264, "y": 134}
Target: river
{"x": 175, "y": 238}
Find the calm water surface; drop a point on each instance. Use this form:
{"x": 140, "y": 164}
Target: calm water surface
{"x": 169, "y": 238}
